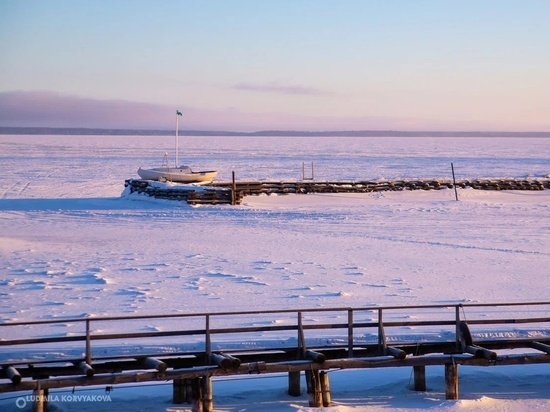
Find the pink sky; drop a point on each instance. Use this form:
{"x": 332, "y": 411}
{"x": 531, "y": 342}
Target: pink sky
{"x": 46, "y": 109}
{"x": 242, "y": 65}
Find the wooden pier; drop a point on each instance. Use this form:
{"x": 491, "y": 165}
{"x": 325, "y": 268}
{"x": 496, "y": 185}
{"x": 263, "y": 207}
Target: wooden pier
{"x": 367, "y": 339}
{"x": 233, "y": 192}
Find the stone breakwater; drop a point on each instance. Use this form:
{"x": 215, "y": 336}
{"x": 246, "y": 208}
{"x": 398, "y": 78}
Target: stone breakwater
{"x": 233, "y": 192}
{"x": 303, "y": 187}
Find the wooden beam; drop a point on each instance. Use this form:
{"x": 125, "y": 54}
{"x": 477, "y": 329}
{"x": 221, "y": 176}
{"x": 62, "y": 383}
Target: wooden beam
{"x": 154, "y": 363}
{"x": 464, "y": 335}
{"x": 316, "y": 357}
{"x": 395, "y": 352}
{"x": 278, "y": 367}
{"x": 541, "y": 346}
{"x": 12, "y": 374}
{"x": 87, "y": 369}
{"x": 225, "y": 361}
{"x": 480, "y": 352}
{"x": 235, "y": 362}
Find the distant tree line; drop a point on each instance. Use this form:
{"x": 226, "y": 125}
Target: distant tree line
{"x": 333, "y": 133}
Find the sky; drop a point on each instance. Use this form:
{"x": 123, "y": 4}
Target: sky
{"x": 246, "y": 65}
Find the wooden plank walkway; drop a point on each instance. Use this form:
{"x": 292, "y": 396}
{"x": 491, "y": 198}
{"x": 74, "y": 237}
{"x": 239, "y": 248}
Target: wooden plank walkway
{"x": 192, "y": 370}
{"x": 233, "y": 192}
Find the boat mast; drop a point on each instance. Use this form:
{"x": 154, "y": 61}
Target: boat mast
{"x": 178, "y": 114}
{"x": 177, "y": 127}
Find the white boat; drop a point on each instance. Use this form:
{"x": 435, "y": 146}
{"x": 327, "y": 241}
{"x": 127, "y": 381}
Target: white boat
{"x": 182, "y": 174}
{"x": 178, "y": 174}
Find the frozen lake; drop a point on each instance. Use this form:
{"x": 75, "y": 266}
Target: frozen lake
{"x": 71, "y": 246}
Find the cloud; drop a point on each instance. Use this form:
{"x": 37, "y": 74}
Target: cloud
{"x": 49, "y": 109}
{"x": 274, "y": 87}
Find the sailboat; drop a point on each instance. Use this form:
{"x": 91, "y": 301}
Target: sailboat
{"x": 179, "y": 174}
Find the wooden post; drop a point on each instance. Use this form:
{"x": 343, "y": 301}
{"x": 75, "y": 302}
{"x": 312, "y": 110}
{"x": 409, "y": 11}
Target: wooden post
{"x": 301, "y": 339}
{"x": 381, "y": 334}
{"x": 208, "y": 343}
{"x": 207, "y": 402}
{"x": 419, "y": 378}
{"x": 233, "y": 190}
{"x": 178, "y": 391}
{"x": 313, "y": 381}
{"x": 41, "y": 400}
{"x": 350, "y": 333}
{"x": 196, "y": 405}
{"x": 88, "y": 343}
{"x": 294, "y": 388}
{"x": 454, "y": 181}
{"x": 304, "y": 172}
{"x": 457, "y": 329}
{"x": 451, "y": 381}
{"x": 325, "y": 388}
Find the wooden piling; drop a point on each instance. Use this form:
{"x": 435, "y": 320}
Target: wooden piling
{"x": 178, "y": 391}
{"x": 294, "y": 388}
{"x": 419, "y": 378}
{"x": 207, "y": 401}
{"x": 313, "y": 382}
{"x": 325, "y": 388}
{"x": 451, "y": 381}
{"x": 196, "y": 386}
{"x": 188, "y": 383}
{"x": 40, "y": 400}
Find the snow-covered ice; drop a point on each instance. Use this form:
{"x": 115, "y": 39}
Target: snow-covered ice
{"x": 72, "y": 246}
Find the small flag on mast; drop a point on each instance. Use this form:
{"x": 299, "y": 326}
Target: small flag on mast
{"x": 178, "y": 113}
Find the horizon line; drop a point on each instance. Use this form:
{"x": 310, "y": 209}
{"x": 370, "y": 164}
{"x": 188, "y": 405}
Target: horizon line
{"x": 37, "y": 130}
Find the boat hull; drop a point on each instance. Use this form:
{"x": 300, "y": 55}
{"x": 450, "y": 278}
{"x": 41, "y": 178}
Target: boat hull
{"x": 179, "y": 175}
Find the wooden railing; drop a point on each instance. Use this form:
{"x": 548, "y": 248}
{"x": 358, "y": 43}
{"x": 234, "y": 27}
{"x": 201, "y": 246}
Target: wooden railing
{"x": 312, "y": 339}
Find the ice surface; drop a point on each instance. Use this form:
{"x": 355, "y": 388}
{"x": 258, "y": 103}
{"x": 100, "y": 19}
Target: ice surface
{"x": 71, "y": 246}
